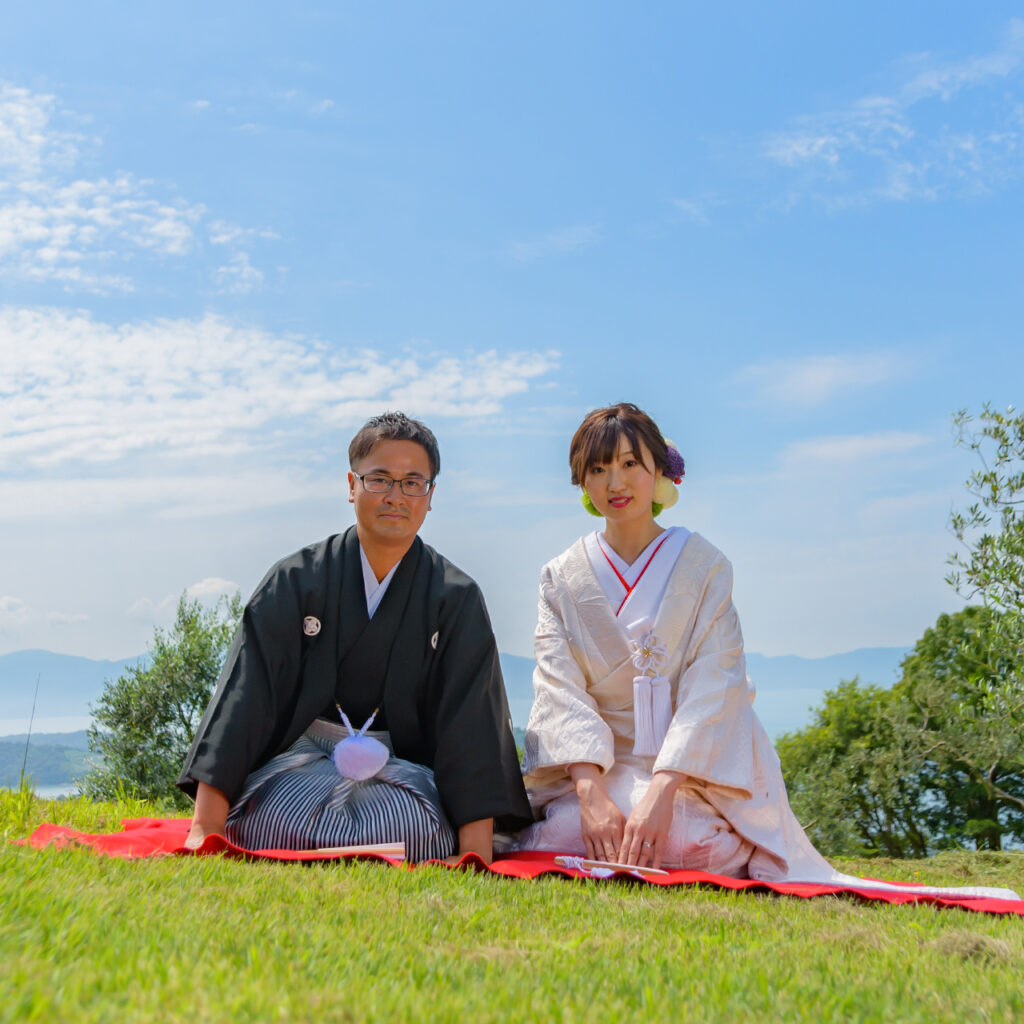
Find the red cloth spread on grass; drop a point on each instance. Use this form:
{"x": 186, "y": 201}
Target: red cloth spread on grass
{"x": 157, "y": 837}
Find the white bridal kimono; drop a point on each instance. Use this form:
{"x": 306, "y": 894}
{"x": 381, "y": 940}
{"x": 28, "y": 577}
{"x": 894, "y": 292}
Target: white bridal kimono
{"x": 663, "y": 631}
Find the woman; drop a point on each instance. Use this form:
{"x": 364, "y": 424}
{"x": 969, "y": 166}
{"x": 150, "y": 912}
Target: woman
{"x": 642, "y": 746}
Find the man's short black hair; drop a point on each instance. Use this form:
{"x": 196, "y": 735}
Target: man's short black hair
{"x": 394, "y": 426}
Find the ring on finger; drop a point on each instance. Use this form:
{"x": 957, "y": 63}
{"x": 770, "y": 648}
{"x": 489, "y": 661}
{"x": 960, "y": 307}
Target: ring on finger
{"x": 646, "y": 844}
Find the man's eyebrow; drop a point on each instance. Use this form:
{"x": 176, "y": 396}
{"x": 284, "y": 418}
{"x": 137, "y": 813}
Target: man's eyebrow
{"x": 387, "y": 472}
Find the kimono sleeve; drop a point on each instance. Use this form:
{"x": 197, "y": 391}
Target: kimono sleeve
{"x": 711, "y": 736}
{"x": 248, "y": 709}
{"x": 476, "y": 767}
{"x": 565, "y": 726}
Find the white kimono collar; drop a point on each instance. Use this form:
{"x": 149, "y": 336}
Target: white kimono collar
{"x": 635, "y": 591}
{"x": 374, "y": 591}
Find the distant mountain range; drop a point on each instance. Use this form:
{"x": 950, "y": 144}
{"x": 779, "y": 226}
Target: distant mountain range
{"x": 788, "y": 687}
{"x": 54, "y": 759}
{"x": 67, "y": 683}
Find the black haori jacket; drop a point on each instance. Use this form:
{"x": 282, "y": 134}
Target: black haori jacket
{"x": 443, "y": 694}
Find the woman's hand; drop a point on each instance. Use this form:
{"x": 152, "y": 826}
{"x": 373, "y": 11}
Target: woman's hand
{"x": 601, "y": 820}
{"x": 646, "y": 833}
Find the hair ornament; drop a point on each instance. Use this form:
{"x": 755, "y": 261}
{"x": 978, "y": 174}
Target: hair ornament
{"x": 589, "y": 505}
{"x": 665, "y": 495}
{"x": 676, "y": 465}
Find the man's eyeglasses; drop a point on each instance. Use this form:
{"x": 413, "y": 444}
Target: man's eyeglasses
{"x": 412, "y": 486}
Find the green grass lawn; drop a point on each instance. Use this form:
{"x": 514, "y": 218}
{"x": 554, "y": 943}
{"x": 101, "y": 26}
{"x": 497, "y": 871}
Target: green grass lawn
{"x": 84, "y": 938}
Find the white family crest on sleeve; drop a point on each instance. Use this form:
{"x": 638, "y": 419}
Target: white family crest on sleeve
{"x": 311, "y": 625}
{"x": 433, "y": 641}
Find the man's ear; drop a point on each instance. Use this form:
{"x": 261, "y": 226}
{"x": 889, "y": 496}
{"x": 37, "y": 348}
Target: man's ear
{"x": 351, "y": 489}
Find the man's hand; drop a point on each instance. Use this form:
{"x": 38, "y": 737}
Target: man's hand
{"x": 210, "y": 817}
{"x": 475, "y": 837}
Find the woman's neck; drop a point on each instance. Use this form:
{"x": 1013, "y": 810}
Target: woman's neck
{"x": 628, "y": 540}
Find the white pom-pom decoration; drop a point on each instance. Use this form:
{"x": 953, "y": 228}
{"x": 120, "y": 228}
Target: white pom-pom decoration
{"x": 359, "y": 757}
{"x": 665, "y": 493}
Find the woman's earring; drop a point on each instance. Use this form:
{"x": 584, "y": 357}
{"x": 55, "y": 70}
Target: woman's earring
{"x": 589, "y": 505}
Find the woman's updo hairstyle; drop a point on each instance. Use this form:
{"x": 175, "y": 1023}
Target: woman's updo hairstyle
{"x": 597, "y": 439}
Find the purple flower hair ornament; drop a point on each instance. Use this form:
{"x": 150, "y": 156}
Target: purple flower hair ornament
{"x": 676, "y": 465}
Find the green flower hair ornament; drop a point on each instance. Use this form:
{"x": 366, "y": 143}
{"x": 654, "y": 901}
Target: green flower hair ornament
{"x": 589, "y": 505}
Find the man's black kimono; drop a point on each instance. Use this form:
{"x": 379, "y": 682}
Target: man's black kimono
{"x": 427, "y": 656}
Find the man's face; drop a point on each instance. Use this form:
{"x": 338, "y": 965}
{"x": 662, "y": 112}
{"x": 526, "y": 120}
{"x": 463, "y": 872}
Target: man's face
{"x": 391, "y": 519}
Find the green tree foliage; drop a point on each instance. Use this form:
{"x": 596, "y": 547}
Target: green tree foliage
{"x": 145, "y": 720}
{"x": 846, "y": 781}
{"x": 977, "y": 734}
{"x": 936, "y": 762}
{"x": 992, "y": 527}
{"x": 959, "y": 710}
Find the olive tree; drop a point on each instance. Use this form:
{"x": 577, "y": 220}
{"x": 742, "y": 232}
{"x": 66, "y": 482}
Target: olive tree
{"x": 145, "y": 720}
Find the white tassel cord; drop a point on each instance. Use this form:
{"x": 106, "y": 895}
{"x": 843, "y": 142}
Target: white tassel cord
{"x": 652, "y": 714}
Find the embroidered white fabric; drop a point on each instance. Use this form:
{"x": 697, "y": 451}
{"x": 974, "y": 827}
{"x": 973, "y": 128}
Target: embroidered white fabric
{"x": 735, "y": 816}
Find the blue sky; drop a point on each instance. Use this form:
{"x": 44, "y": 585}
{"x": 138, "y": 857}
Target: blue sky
{"x": 790, "y": 232}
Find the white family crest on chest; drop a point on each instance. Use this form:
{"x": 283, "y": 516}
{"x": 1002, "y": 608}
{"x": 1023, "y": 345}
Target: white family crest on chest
{"x": 311, "y": 625}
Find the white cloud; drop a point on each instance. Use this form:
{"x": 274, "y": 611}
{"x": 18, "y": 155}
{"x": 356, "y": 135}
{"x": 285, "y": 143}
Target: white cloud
{"x": 166, "y": 496}
{"x": 896, "y": 146}
{"x": 841, "y": 449}
{"x": 238, "y": 276}
{"x": 16, "y": 614}
{"x": 946, "y": 80}
{"x": 562, "y": 240}
{"x": 86, "y": 234}
{"x": 66, "y": 618}
{"x": 77, "y": 390}
{"x": 13, "y": 610}
{"x": 162, "y": 609}
{"x": 813, "y": 380}
{"x": 200, "y": 104}
{"x": 148, "y": 610}
{"x": 933, "y": 506}
{"x": 693, "y": 209}
{"x": 223, "y": 233}
{"x": 320, "y": 107}
{"x": 212, "y": 586}
{"x": 28, "y": 143}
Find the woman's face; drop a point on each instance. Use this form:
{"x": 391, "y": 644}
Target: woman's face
{"x": 622, "y": 490}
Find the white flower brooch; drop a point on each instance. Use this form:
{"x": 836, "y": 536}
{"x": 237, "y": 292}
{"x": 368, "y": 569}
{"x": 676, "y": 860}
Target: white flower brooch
{"x": 649, "y": 653}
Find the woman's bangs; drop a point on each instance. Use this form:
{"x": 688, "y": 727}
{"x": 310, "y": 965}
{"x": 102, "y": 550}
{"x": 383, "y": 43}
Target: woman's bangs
{"x": 603, "y": 443}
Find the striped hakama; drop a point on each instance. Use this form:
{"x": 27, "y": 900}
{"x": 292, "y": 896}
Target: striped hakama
{"x": 298, "y": 801}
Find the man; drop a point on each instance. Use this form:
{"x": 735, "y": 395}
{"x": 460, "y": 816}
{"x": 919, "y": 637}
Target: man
{"x": 369, "y": 622}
